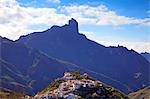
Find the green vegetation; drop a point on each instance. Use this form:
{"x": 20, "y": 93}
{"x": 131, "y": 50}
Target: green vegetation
{"x": 78, "y": 75}
{"x": 4, "y": 95}
{"x": 90, "y": 78}
{"x": 4, "y": 89}
{"x": 13, "y": 95}
{"x": 17, "y": 84}
{"x": 54, "y": 85}
{"x": 6, "y": 77}
{"x": 111, "y": 91}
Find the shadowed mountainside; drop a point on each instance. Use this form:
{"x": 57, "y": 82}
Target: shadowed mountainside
{"x": 66, "y": 43}
{"x": 12, "y": 79}
{"x": 24, "y": 68}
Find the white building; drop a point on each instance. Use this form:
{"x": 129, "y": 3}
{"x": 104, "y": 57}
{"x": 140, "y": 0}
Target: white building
{"x": 67, "y": 76}
{"x": 85, "y": 74}
{"x": 71, "y": 96}
{"x": 76, "y": 86}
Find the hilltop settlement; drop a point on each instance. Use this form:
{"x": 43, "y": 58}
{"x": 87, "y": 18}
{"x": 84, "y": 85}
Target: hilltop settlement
{"x": 73, "y": 85}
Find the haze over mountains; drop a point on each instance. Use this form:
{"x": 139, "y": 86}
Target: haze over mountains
{"x": 43, "y": 56}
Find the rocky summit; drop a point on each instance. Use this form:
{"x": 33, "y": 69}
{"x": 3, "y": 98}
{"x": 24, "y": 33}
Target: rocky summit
{"x": 74, "y": 85}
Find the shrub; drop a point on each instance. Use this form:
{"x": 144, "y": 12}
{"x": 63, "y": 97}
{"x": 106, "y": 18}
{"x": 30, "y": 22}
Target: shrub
{"x": 54, "y": 85}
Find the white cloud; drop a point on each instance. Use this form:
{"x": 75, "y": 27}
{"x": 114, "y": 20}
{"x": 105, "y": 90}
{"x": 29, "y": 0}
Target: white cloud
{"x": 101, "y": 15}
{"x": 16, "y": 20}
{"x": 54, "y": 1}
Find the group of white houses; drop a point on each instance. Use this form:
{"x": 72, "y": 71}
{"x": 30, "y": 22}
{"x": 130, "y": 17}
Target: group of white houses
{"x": 70, "y": 85}
{"x": 76, "y": 84}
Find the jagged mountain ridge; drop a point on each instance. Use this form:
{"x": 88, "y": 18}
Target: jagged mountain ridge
{"x": 67, "y": 44}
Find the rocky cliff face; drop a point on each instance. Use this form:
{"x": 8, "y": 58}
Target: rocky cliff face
{"x": 76, "y": 86}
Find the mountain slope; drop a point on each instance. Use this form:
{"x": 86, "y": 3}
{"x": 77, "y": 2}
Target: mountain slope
{"x": 141, "y": 94}
{"x": 13, "y": 79}
{"x": 67, "y": 44}
{"x": 35, "y": 67}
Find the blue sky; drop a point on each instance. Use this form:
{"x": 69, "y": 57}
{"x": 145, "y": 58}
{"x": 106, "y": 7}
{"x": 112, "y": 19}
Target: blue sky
{"x": 109, "y": 22}
{"x": 131, "y": 8}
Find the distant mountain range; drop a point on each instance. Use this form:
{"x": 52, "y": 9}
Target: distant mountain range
{"x": 41, "y": 57}
{"x": 146, "y": 56}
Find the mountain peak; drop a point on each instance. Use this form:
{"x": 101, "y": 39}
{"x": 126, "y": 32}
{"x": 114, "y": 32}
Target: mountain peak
{"x": 71, "y": 27}
{"x": 73, "y": 24}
